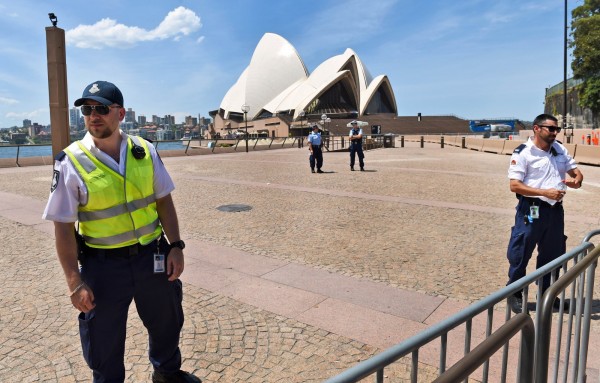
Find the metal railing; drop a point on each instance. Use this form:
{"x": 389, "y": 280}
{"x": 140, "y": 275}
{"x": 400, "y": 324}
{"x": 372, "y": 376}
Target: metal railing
{"x": 28, "y": 147}
{"x": 330, "y": 143}
{"x": 583, "y": 261}
{"x": 45, "y": 150}
{"x": 193, "y": 146}
{"x": 467, "y": 365}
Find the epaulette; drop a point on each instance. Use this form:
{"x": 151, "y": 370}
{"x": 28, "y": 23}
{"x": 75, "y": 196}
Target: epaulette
{"x": 60, "y": 156}
{"x": 558, "y": 141}
{"x": 519, "y": 148}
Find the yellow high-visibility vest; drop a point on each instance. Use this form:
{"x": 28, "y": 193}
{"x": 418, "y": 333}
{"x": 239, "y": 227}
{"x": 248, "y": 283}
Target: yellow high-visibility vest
{"x": 121, "y": 210}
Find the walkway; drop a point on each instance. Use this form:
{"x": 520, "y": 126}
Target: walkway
{"x": 324, "y": 271}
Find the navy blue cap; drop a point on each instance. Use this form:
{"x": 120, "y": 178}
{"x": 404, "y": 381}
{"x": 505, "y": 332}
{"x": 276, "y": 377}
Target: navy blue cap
{"x": 104, "y": 92}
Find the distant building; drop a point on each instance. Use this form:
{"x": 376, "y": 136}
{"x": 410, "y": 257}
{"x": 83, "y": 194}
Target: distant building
{"x": 163, "y": 134}
{"x": 141, "y": 120}
{"x": 126, "y": 126}
{"x": 275, "y": 92}
{"x": 35, "y": 129}
{"x": 191, "y": 121}
{"x": 130, "y": 115}
{"x": 577, "y": 116}
{"x": 169, "y": 120}
{"x": 18, "y": 138}
{"x": 74, "y": 118}
{"x": 26, "y": 123}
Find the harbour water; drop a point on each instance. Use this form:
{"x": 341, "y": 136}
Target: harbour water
{"x": 9, "y": 151}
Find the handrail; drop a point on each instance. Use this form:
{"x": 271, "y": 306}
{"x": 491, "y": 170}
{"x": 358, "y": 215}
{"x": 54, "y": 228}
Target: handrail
{"x": 376, "y": 363}
{"x": 18, "y": 146}
{"x": 473, "y": 360}
{"x": 545, "y": 314}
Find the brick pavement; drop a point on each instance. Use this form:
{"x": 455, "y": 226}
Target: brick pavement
{"x": 324, "y": 271}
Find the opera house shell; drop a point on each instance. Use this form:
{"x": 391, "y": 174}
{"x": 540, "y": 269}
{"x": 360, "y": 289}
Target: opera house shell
{"x": 276, "y": 91}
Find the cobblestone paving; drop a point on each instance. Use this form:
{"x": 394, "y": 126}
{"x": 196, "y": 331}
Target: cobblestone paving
{"x": 430, "y": 220}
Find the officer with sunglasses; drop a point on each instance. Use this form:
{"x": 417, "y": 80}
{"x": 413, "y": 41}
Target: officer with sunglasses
{"x": 540, "y": 172}
{"x": 111, "y": 204}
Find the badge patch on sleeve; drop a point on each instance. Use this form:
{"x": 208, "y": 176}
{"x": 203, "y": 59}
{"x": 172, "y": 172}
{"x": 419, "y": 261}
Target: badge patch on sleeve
{"x": 513, "y": 162}
{"x": 55, "y": 178}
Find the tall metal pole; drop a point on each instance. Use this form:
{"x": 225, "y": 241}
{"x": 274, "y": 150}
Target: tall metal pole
{"x": 245, "y": 109}
{"x": 57, "y": 87}
{"x": 246, "y": 123}
{"x": 564, "y": 120}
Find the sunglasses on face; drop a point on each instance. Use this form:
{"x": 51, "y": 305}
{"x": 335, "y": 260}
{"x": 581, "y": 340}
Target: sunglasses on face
{"x": 551, "y": 128}
{"x": 102, "y": 110}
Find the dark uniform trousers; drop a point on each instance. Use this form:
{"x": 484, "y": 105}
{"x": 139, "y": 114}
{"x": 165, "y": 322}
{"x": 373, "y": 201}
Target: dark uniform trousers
{"x": 116, "y": 277}
{"x": 316, "y": 156}
{"x": 547, "y": 232}
{"x": 356, "y": 148}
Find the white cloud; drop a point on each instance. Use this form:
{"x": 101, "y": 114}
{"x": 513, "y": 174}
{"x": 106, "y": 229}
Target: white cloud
{"x": 44, "y": 112}
{"x": 200, "y": 39}
{"x": 179, "y": 21}
{"x": 8, "y": 101}
{"x": 108, "y": 33}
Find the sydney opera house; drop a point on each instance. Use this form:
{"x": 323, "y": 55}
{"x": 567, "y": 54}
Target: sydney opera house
{"x": 277, "y": 96}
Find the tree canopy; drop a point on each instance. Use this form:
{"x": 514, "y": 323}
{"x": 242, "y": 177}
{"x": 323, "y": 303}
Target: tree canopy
{"x": 585, "y": 32}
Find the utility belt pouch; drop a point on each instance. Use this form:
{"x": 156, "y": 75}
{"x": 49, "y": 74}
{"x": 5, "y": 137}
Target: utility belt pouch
{"x": 80, "y": 244}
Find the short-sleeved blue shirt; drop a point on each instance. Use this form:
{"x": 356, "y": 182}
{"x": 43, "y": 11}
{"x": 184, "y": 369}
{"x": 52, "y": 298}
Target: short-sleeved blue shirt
{"x": 314, "y": 138}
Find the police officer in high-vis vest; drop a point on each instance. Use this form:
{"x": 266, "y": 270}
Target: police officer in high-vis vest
{"x": 111, "y": 204}
{"x": 355, "y": 137}
{"x": 540, "y": 172}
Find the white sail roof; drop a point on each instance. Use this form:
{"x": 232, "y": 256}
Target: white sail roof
{"x": 277, "y": 80}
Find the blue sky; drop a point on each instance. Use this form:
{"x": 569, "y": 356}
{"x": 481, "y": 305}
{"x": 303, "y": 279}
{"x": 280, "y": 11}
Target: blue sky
{"x": 470, "y": 58}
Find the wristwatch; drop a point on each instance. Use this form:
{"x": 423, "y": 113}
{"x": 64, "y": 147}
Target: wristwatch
{"x": 180, "y": 244}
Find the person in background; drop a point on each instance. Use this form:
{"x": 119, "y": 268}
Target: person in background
{"x": 538, "y": 176}
{"x": 118, "y": 190}
{"x": 356, "y": 136}
{"x": 314, "y": 146}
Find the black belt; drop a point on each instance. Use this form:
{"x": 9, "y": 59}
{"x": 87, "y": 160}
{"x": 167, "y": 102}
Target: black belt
{"x": 539, "y": 202}
{"x": 127, "y": 251}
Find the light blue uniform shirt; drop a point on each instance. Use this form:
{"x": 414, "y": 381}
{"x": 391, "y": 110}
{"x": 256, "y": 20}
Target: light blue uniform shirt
{"x": 314, "y": 138}
{"x": 359, "y": 131}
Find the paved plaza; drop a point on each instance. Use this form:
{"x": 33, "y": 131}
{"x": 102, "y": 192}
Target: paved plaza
{"x": 324, "y": 271}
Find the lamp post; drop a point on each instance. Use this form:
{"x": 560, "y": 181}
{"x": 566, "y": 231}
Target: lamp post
{"x": 301, "y": 115}
{"x": 245, "y": 109}
{"x": 564, "y": 120}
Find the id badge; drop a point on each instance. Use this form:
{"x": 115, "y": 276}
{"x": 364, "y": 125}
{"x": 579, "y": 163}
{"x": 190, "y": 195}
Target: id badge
{"x": 159, "y": 263}
{"x": 534, "y": 212}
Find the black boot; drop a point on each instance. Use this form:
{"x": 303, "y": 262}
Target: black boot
{"x": 177, "y": 377}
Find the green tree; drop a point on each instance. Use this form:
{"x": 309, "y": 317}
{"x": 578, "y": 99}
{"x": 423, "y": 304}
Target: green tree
{"x": 585, "y": 42}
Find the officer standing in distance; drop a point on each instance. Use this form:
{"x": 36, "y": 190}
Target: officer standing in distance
{"x": 118, "y": 191}
{"x": 537, "y": 175}
{"x": 314, "y": 146}
{"x": 356, "y": 135}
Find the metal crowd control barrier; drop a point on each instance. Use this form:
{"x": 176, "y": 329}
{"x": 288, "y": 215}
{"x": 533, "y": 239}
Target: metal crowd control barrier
{"x": 584, "y": 262}
{"x": 520, "y": 322}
